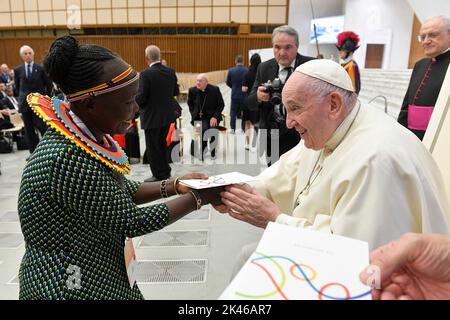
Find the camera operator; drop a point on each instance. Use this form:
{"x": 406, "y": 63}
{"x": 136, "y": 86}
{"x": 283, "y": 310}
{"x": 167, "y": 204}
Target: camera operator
{"x": 266, "y": 97}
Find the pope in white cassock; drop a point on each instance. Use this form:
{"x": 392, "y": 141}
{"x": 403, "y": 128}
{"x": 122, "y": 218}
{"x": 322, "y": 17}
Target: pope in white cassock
{"x": 356, "y": 172}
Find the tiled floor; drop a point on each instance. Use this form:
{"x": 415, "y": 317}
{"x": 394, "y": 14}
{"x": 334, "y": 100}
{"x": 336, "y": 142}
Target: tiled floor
{"x": 190, "y": 259}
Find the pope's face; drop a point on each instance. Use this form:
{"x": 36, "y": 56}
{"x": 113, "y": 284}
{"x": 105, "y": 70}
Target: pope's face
{"x": 307, "y": 114}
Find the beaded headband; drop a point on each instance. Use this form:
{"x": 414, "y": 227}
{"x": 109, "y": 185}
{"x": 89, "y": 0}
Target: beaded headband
{"x": 105, "y": 87}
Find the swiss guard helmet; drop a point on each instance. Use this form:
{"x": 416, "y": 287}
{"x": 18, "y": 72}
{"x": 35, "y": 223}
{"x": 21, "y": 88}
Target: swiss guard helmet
{"x": 347, "y": 41}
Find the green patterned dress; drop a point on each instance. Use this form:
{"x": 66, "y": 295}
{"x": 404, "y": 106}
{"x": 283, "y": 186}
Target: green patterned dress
{"x": 75, "y": 213}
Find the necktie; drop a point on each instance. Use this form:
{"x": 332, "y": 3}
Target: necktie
{"x": 14, "y": 101}
{"x": 28, "y": 71}
{"x": 289, "y": 72}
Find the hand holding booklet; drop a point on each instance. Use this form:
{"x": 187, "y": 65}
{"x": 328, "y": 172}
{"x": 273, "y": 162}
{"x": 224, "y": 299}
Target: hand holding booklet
{"x": 296, "y": 264}
{"x": 218, "y": 181}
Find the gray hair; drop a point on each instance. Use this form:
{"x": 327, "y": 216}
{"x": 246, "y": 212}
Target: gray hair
{"x": 287, "y": 30}
{"x": 22, "y": 48}
{"x": 445, "y": 21}
{"x": 153, "y": 53}
{"x": 203, "y": 76}
{"x": 319, "y": 89}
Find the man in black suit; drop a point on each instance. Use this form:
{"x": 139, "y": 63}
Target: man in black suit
{"x": 9, "y": 101}
{"x": 4, "y": 74}
{"x": 205, "y": 103}
{"x": 2, "y": 90}
{"x": 273, "y": 117}
{"x": 157, "y": 88}
{"x": 31, "y": 77}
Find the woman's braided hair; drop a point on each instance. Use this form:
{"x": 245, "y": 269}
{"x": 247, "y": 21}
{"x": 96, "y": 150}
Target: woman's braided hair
{"x": 75, "y": 67}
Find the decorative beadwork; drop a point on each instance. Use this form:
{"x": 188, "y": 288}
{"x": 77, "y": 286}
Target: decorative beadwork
{"x": 75, "y": 213}
{"x": 56, "y": 114}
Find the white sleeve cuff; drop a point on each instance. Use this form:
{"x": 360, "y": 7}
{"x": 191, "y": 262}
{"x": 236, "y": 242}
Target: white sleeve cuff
{"x": 289, "y": 220}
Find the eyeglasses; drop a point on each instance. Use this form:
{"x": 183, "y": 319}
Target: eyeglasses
{"x": 431, "y": 36}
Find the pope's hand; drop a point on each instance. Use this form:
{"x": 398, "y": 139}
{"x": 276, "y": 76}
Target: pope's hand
{"x": 243, "y": 203}
{"x": 414, "y": 267}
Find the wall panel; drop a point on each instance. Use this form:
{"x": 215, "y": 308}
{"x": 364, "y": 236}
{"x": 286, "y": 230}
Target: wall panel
{"x": 183, "y": 53}
{"x": 117, "y": 12}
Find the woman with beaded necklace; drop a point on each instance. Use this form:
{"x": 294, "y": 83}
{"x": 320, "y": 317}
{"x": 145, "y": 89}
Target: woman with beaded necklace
{"x": 76, "y": 207}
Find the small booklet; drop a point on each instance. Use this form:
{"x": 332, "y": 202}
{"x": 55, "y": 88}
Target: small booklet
{"x": 295, "y": 264}
{"x": 218, "y": 181}
{"x": 130, "y": 261}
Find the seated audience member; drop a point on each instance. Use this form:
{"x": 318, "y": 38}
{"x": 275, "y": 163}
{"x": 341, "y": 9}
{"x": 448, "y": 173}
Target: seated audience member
{"x": 9, "y": 101}
{"x": 5, "y": 122}
{"x": 205, "y": 103}
{"x": 355, "y": 173}
{"x": 415, "y": 267}
{"x": 12, "y": 83}
{"x": 2, "y": 90}
{"x": 4, "y": 74}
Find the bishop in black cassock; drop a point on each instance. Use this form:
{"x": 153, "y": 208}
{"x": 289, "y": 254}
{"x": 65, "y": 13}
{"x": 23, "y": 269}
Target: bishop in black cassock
{"x": 424, "y": 87}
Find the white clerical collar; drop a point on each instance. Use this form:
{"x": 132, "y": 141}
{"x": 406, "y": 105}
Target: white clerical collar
{"x": 341, "y": 131}
{"x": 448, "y": 49}
{"x": 153, "y": 63}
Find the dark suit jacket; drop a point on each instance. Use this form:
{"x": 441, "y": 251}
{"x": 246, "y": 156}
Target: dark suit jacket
{"x": 288, "y": 138}
{"x": 235, "y": 78}
{"x": 8, "y": 104}
{"x": 267, "y": 70}
{"x": 39, "y": 82}
{"x": 157, "y": 88}
{"x": 4, "y": 78}
{"x": 212, "y": 104}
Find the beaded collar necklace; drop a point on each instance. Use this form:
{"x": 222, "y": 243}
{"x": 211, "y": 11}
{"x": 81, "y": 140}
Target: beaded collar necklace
{"x": 56, "y": 114}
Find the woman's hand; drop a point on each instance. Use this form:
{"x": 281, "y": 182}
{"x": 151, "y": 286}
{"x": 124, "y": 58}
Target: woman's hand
{"x": 183, "y": 189}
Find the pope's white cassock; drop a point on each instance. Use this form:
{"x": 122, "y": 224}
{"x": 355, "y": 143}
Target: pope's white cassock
{"x": 373, "y": 181}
